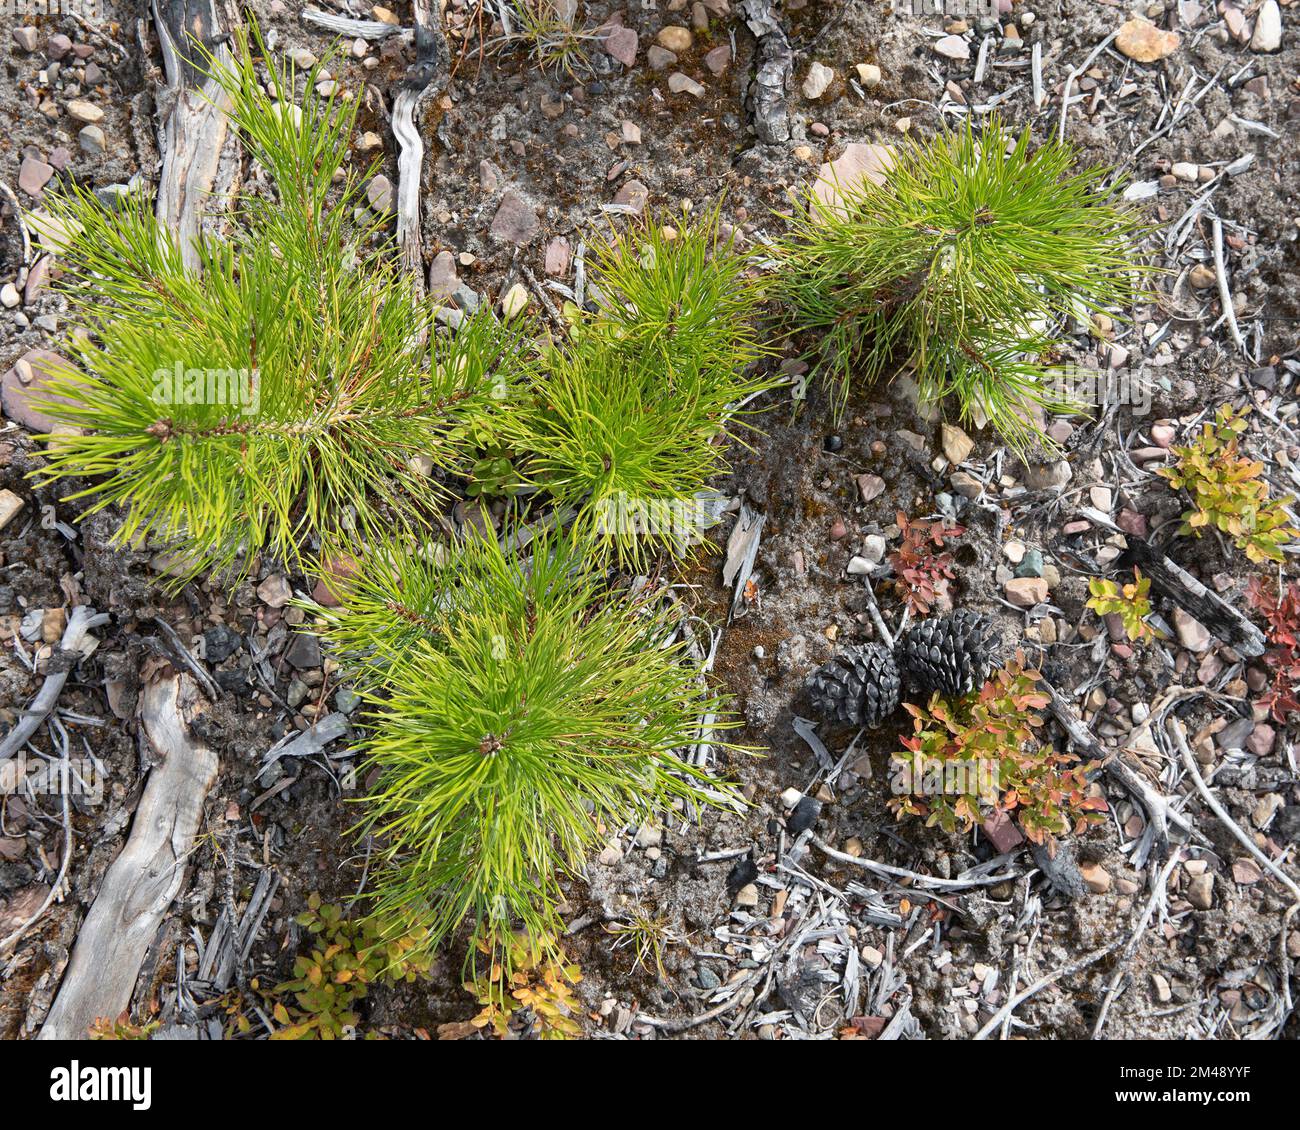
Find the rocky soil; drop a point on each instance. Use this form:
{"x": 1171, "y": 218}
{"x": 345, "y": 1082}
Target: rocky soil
{"x": 1197, "y": 109}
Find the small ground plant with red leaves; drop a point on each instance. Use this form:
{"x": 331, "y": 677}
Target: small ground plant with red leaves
{"x": 1280, "y": 608}
{"x": 970, "y": 757}
{"x": 921, "y": 566}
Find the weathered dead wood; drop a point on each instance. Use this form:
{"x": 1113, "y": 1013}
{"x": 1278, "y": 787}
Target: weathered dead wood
{"x": 23, "y": 234}
{"x": 194, "y": 128}
{"x": 372, "y": 31}
{"x": 143, "y": 880}
{"x": 742, "y": 552}
{"x": 1175, "y": 729}
{"x": 1159, "y": 812}
{"x": 311, "y": 741}
{"x": 1226, "y": 622}
{"x": 773, "y": 68}
{"x": 139, "y": 887}
{"x": 70, "y": 650}
{"x": 1042, "y": 983}
{"x": 426, "y": 76}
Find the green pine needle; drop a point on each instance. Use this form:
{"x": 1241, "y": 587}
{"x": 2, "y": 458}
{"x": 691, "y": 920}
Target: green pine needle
{"x": 280, "y": 394}
{"x": 525, "y": 714}
{"x": 963, "y": 265}
{"x": 630, "y": 415}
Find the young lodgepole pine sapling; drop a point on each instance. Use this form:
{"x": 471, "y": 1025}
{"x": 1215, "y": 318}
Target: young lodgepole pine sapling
{"x": 627, "y": 421}
{"x": 963, "y": 267}
{"x": 520, "y": 712}
{"x": 282, "y": 398}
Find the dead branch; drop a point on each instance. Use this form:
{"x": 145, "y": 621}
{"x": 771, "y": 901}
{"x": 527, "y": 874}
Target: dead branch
{"x": 1160, "y": 814}
{"x": 1157, "y": 894}
{"x": 1226, "y": 622}
{"x": 65, "y": 791}
{"x": 23, "y": 233}
{"x": 139, "y": 887}
{"x": 1189, "y": 764}
{"x": 919, "y": 880}
{"x": 65, "y": 657}
{"x": 426, "y": 76}
{"x": 194, "y": 128}
{"x": 774, "y": 65}
{"x": 1042, "y": 983}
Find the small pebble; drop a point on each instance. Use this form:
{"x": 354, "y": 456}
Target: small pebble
{"x": 818, "y": 79}
{"x": 675, "y": 39}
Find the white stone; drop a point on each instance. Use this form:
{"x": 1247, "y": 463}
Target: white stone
{"x": 953, "y": 47}
{"x": 819, "y": 77}
{"x": 869, "y": 75}
{"x": 679, "y": 83}
{"x": 10, "y": 504}
{"x": 957, "y": 445}
{"x": 649, "y": 836}
{"x": 515, "y": 301}
{"x": 1192, "y": 634}
{"x": 84, "y": 111}
{"x": 1268, "y": 28}
{"x": 873, "y": 548}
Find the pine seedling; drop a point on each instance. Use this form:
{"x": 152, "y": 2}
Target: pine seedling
{"x": 524, "y": 713}
{"x": 963, "y": 267}
{"x": 280, "y": 393}
{"x": 630, "y": 417}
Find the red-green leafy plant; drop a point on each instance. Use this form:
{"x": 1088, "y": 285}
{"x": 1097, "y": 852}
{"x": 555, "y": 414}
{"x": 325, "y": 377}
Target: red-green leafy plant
{"x": 123, "y": 1028}
{"x": 332, "y": 974}
{"x": 922, "y": 572}
{"x": 1131, "y": 603}
{"x": 1280, "y": 607}
{"x": 1228, "y": 491}
{"x": 530, "y": 994}
{"x": 970, "y": 757}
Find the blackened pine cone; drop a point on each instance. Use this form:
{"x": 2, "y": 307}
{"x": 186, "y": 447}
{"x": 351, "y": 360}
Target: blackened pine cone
{"x": 952, "y": 655}
{"x": 858, "y": 687}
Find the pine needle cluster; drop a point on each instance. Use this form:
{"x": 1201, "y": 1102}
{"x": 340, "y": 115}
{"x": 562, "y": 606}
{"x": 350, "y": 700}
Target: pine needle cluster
{"x": 965, "y": 268}
{"x": 280, "y": 394}
{"x": 293, "y": 396}
{"x": 629, "y": 417}
{"x": 521, "y": 709}
{"x": 524, "y": 713}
